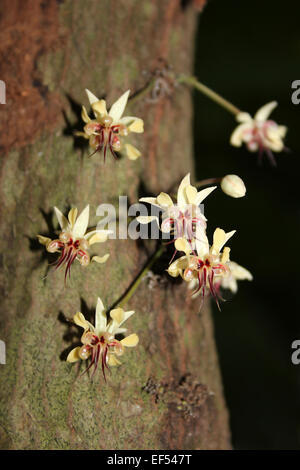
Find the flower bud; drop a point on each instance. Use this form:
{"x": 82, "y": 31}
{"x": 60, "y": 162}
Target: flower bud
{"x": 233, "y": 186}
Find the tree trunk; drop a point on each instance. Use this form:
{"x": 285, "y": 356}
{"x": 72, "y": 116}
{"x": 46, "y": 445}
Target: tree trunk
{"x": 167, "y": 394}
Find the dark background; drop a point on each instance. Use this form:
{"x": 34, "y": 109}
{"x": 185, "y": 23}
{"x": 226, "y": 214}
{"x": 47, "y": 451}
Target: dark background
{"x": 249, "y": 53}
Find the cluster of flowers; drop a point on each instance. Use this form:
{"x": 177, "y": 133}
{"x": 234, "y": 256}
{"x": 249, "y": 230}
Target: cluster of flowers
{"x": 207, "y": 268}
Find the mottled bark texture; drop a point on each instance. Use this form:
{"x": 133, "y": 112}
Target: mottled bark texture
{"x": 167, "y": 393}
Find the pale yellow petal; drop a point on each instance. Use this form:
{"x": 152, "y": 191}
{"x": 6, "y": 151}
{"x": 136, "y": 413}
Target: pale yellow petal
{"x": 239, "y": 272}
{"x": 117, "y": 314}
{"x": 84, "y": 115}
{"x": 117, "y": 109}
{"x": 73, "y": 355}
{"x": 43, "y": 240}
{"x": 72, "y": 216}
{"x": 100, "y": 237}
{"x": 132, "y": 152}
{"x": 91, "y": 97}
{"x": 164, "y": 200}
{"x": 150, "y": 200}
{"x": 236, "y": 138}
{"x": 81, "y": 223}
{"x": 146, "y": 219}
{"x": 113, "y": 361}
{"x": 181, "y": 195}
{"x": 136, "y": 126}
{"x": 201, "y": 195}
{"x": 181, "y": 244}
{"x": 191, "y": 194}
{"x": 100, "y": 316}
{"x": 244, "y": 117}
{"x": 99, "y": 108}
{"x": 100, "y": 259}
{"x": 264, "y": 112}
{"x": 218, "y": 240}
{"x": 79, "y": 320}
{"x": 63, "y": 222}
{"x": 130, "y": 341}
{"x": 202, "y": 244}
{"x": 175, "y": 269}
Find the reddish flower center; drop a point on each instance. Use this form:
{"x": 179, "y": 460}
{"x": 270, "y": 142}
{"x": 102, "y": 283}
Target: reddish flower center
{"x": 98, "y": 347}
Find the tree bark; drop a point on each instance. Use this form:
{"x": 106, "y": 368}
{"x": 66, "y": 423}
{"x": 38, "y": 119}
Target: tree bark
{"x": 167, "y": 394}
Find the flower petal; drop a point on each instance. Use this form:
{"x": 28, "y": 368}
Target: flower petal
{"x": 63, "y": 222}
{"x": 84, "y": 115}
{"x": 132, "y": 152}
{"x": 43, "y": 240}
{"x": 175, "y": 269}
{"x": 181, "y": 197}
{"x": 191, "y": 194}
{"x": 236, "y": 138}
{"x": 81, "y": 223}
{"x": 264, "y": 112}
{"x": 100, "y": 316}
{"x": 239, "y": 272}
{"x": 146, "y": 219}
{"x": 100, "y": 259}
{"x": 150, "y": 200}
{"x": 79, "y": 320}
{"x": 72, "y": 216}
{"x": 164, "y": 200}
{"x": 228, "y": 282}
{"x": 99, "y": 108}
{"x": 113, "y": 361}
{"x": 202, "y": 244}
{"x": 134, "y": 124}
{"x": 130, "y": 341}
{"x": 73, "y": 355}
{"x": 181, "y": 244}
{"x": 119, "y": 316}
{"x": 219, "y": 240}
{"x": 100, "y": 236}
{"x": 137, "y": 126}
{"x": 201, "y": 195}
{"x": 117, "y": 109}
{"x": 91, "y": 97}
{"x": 244, "y": 117}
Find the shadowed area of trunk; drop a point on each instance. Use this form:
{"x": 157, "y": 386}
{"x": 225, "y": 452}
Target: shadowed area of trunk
{"x": 167, "y": 393}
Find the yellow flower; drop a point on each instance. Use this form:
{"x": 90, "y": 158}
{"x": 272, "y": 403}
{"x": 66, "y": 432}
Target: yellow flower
{"x": 204, "y": 265}
{"x": 108, "y": 129}
{"x": 259, "y": 133}
{"x": 235, "y": 273}
{"x": 183, "y": 219}
{"x": 99, "y": 341}
{"x": 74, "y": 241}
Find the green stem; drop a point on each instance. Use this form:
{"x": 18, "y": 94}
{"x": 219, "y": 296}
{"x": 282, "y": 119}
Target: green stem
{"x": 142, "y": 274}
{"x": 192, "y": 81}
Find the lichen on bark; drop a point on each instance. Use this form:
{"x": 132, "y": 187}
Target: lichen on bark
{"x": 104, "y": 46}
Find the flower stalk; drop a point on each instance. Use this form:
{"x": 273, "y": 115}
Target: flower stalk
{"x": 193, "y": 82}
{"x": 157, "y": 254}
